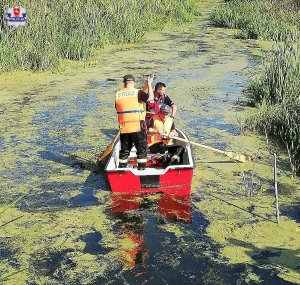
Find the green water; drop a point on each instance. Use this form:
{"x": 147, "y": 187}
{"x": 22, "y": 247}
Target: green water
{"x": 69, "y": 229}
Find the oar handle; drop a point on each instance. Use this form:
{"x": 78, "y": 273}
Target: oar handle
{"x": 232, "y": 155}
{"x": 200, "y": 145}
{"x": 116, "y": 137}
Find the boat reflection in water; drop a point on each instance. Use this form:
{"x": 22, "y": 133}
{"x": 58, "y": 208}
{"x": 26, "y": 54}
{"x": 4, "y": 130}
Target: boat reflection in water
{"x": 130, "y": 210}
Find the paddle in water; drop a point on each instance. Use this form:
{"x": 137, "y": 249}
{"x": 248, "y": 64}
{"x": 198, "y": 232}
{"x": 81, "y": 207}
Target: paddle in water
{"x": 105, "y": 154}
{"x": 233, "y": 155}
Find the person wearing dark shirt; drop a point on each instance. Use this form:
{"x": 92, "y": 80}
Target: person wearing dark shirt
{"x": 160, "y": 98}
{"x": 130, "y": 104}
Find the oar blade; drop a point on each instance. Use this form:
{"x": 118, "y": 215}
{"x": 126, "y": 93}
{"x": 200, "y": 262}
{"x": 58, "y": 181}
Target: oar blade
{"x": 238, "y": 156}
{"x": 105, "y": 154}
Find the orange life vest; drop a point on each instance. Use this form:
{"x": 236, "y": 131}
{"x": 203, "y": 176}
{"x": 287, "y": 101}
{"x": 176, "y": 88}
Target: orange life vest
{"x": 130, "y": 111}
{"x": 160, "y": 126}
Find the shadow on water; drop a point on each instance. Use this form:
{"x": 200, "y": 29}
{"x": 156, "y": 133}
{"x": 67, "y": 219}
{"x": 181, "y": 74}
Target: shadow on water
{"x": 93, "y": 243}
{"x": 216, "y": 122}
{"x": 94, "y": 84}
{"x": 248, "y": 210}
{"x": 110, "y": 133}
{"x": 71, "y": 160}
{"x": 163, "y": 241}
{"x": 51, "y": 193}
{"x": 262, "y": 255}
{"x": 292, "y": 211}
{"x": 48, "y": 261}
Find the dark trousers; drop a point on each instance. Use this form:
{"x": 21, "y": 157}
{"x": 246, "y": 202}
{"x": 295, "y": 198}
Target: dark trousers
{"x": 139, "y": 140}
{"x": 159, "y": 148}
{"x": 170, "y": 151}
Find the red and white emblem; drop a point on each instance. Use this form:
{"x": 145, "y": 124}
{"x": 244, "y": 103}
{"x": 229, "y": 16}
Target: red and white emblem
{"x": 16, "y": 16}
{"x": 17, "y": 11}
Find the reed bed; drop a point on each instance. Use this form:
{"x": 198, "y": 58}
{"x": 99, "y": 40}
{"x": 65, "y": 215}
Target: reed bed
{"x": 277, "y": 94}
{"x": 262, "y": 19}
{"x": 74, "y": 29}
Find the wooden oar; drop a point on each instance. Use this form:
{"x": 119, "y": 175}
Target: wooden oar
{"x": 104, "y": 155}
{"x": 233, "y": 155}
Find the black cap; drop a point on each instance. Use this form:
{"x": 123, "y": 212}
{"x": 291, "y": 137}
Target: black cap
{"x": 128, "y": 77}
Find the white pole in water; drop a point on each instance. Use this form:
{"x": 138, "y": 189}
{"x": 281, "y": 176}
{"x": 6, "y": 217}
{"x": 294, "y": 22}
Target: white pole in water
{"x": 275, "y": 186}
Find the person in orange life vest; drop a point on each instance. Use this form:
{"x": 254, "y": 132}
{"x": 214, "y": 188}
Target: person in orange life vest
{"x": 130, "y": 104}
{"x": 160, "y": 98}
{"x": 160, "y": 133}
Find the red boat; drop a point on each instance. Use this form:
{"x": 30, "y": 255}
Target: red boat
{"x": 171, "y": 179}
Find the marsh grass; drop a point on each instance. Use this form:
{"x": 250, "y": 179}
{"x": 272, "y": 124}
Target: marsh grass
{"x": 262, "y": 19}
{"x": 73, "y": 29}
{"x": 277, "y": 93}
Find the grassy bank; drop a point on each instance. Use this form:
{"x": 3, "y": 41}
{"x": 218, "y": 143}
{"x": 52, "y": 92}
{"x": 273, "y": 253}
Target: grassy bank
{"x": 263, "y": 19}
{"x": 276, "y": 91}
{"x": 72, "y": 30}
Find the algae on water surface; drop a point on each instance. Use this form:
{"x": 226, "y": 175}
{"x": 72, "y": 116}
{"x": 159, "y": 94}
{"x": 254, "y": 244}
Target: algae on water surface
{"x": 65, "y": 228}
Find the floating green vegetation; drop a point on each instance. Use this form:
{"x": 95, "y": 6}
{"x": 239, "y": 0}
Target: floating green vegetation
{"x": 276, "y": 91}
{"x": 263, "y": 19}
{"x": 238, "y": 201}
{"x": 252, "y": 240}
{"x": 49, "y": 242}
{"x": 50, "y": 247}
{"x": 72, "y": 30}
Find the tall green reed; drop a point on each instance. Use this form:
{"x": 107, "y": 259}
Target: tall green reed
{"x": 74, "y": 29}
{"x": 277, "y": 93}
{"x": 262, "y": 19}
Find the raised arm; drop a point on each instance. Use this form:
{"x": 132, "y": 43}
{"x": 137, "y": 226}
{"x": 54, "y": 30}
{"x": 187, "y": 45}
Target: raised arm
{"x": 148, "y": 87}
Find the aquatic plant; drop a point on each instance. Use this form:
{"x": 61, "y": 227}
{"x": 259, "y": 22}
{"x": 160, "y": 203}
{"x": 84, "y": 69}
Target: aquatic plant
{"x": 8, "y": 276}
{"x": 263, "y": 19}
{"x": 72, "y": 30}
{"x": 277, "y": 94}
{"x": 7, "y": 207}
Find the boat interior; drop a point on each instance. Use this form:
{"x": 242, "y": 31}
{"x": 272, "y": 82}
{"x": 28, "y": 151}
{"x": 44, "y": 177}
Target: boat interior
{"x": 155, "y": 164}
